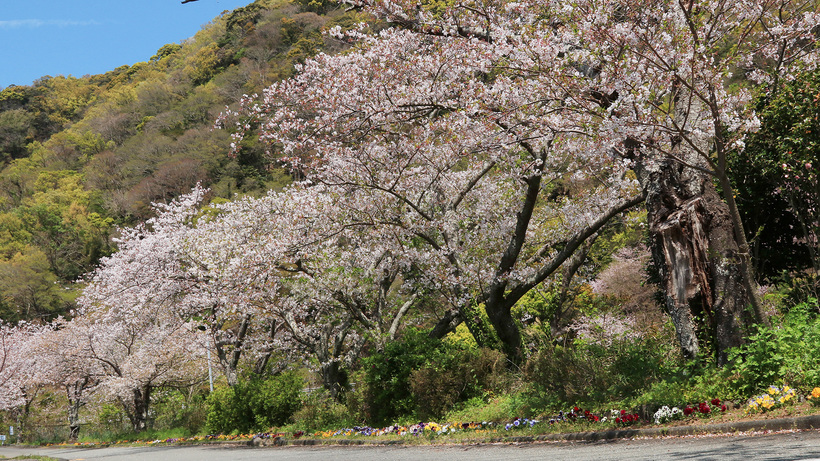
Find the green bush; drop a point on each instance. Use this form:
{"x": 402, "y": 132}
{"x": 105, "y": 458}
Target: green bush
{"x": 175, "y": 409}
{"x": 254, "y": 405}
{"x": 786, "y": 352}
{"x": 593, "y": 374}
{"x": 504, "y": 407}
{"x": 454, "y": 376}
{"x": 422, "y": 377}
{"x": 320, "y": 412}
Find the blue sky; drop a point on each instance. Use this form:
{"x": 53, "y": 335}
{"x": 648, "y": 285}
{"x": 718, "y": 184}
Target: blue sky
{"x": 82, "y": 37}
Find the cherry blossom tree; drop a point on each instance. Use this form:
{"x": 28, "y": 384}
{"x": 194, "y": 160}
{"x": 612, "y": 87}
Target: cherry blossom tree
{"x": 127, "y": 324}
{"x": 134, "y": 354}
{"x": 681, "y": 112}
{"x": 275, "y": 275}
{"x": 23, "y": 372}
{"x": 75, "y": 374}
{"x": 330, "y": 288}
{"x": 456, "y": 151}
{"x": 456, "y": 128}
{"x": 225, "y": 270}
{"x": 190, "y": 276}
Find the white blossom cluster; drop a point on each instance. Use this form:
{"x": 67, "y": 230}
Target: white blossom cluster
{"x": 666, "y": 414}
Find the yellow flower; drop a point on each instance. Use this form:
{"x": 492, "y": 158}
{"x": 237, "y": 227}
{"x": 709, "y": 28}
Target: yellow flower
{"x": 816, "y": 393}
{"x": 773, "y": 390}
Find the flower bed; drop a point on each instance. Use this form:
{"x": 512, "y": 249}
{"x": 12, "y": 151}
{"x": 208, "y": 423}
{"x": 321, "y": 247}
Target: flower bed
{"x": 575, "y": 419}
{"x": 774, "y": 397}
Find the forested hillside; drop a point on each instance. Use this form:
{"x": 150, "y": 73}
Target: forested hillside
{"x": 81, "y": 156}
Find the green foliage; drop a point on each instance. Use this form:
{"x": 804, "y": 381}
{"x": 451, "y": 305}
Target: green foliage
{"x": 776, "y": 178}
{"x": 256, "y": 404}
{"x": 317, "y": 6}
{"x": 387, "y": 376}
{"x": 319, "y": 411}
{"x": 203, "y": 65}
{"x": 453, "y": 377}
{"x": 30, "y": 290}
{"x": 110, "y": 419}
{"x": 423, "y": 377}
{"x": 786, "y": 352}
{"x": 165, "y": 51}
{"x": 15, "y": 133}
{"x": 595, "y": 373}
{"x": 490, "y": 407}
{"x": 478, "y": 323}
{"x": 178, "y": 410}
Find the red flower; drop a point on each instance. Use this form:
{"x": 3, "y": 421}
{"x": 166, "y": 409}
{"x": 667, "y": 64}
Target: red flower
{"x": 723, "y": 407}
{"x": 715, "y": 402}
{"x": 688, "y": 410}
{"x": 623, "y": 412}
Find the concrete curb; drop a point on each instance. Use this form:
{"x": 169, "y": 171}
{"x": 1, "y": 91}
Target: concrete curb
{"x": 778, "y": 424}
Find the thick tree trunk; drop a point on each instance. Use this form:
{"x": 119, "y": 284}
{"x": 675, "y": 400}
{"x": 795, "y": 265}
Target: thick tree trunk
{"x": 508, "y": 333}
{"x": 74, "y": 393}
{"x": 694, "y": 249}
{"x": 334, "y": 378}
{"x": 451, "y": 319}
{"x": 141, "y": 401}
{"x": 73, "y": 421}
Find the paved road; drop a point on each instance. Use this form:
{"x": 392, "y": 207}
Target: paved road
{"x": 788, "y": 446}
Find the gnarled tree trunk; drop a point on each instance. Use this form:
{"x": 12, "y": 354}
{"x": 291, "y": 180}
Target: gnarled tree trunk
{"x": 138, "y": 415}
{"x": 694, "y": 248}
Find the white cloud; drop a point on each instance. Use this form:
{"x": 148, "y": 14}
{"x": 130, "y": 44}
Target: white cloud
{"x": 35, "y": 23}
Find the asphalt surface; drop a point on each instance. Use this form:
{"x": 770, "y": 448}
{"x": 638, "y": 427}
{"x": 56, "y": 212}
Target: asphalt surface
{"x": 803, "y": 445}
{"x": 774, "y": 439}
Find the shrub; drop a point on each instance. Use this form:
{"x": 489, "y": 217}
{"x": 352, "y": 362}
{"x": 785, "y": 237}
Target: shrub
{"x": 320, "y": 412}
{"x": 256, "y": 404}
{"x": 179, "y": 410}
{"x": 594, "y": 373}
{"x": 419, "y": 376}
{"x": 786, "y": 352}
{"x": 455, "y": 376}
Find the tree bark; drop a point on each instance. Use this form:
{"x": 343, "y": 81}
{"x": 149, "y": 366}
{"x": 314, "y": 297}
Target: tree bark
{"x": 74, "y": 393}
{"x": 451, "y": 319}
{"x": 333, "y": 378}
{"x": 141, "y": 401}
{"x": 694, "y": 249}
{"x": 73, "y": 421}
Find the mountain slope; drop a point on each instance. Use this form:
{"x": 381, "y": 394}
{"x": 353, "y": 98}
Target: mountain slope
{"x": 83, "y": 155}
